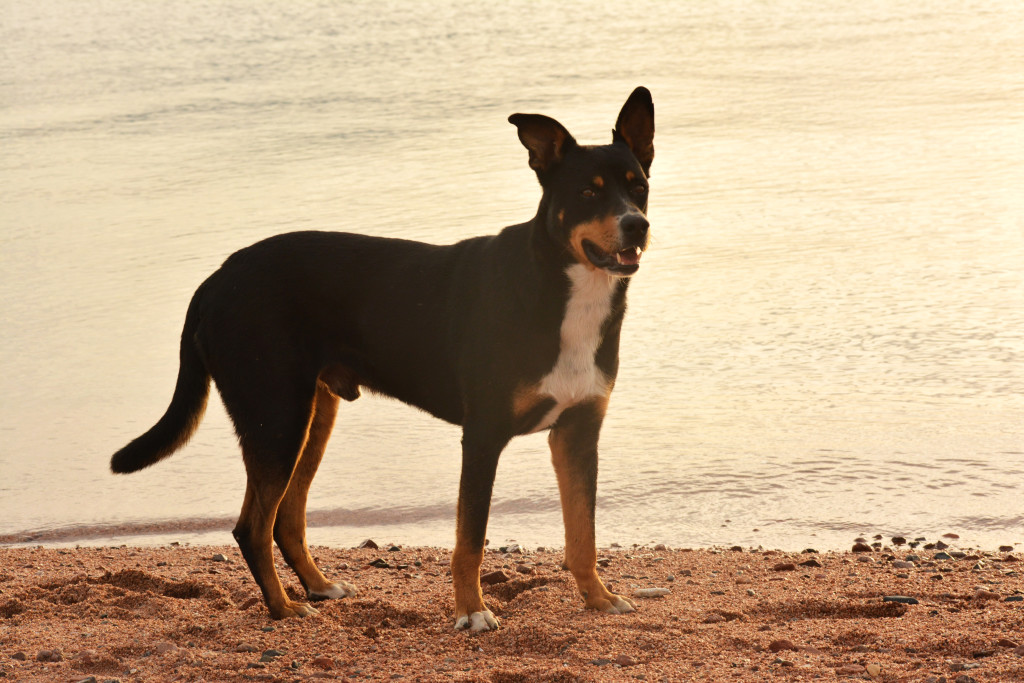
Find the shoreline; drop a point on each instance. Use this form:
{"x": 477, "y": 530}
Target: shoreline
{"x": 189, "y": 613}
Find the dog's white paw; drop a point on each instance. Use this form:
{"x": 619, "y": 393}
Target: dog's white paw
{"x": 340, "y": 589}
{"x": 477, "y": 621}
{"x": 620, "y": 605}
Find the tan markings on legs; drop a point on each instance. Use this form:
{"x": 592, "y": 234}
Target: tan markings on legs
{"x": 574, "y": 455}
{"x": 254, "y": 532}
{"x": 290, "y": 527}
{"x": 603, "y": 232}
{"x": 466, "y": 579}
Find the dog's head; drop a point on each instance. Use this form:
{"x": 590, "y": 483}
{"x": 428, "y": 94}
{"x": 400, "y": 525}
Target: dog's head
{"x": 595, "y": 196}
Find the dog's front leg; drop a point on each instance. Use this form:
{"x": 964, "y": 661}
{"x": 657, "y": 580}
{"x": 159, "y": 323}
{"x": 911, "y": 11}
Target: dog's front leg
{"x": 573, "y": 442}
{"x": 479, "y": 463}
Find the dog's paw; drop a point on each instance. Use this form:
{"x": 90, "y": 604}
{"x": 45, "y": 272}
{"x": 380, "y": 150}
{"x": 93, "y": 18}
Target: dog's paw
{"x": 295, "y": 609}
{"x": 340, "y": 589}
{"x": 613, "y": 604}
{"x": 477, "y": 621}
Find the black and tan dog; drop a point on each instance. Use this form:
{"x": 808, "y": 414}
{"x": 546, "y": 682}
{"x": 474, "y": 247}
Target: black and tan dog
{"x": 504, "y": 335}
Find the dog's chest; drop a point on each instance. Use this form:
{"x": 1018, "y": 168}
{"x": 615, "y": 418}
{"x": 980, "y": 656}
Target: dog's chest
{"x": 575, "y": 376}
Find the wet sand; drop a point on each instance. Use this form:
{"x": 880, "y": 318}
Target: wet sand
{"x": 181, "y": 613}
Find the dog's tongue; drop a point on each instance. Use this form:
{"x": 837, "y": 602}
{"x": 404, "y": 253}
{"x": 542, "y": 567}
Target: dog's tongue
{"x": 628, "y": 257}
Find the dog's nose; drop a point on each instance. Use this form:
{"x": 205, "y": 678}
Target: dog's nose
{"x": 634, "y": 227}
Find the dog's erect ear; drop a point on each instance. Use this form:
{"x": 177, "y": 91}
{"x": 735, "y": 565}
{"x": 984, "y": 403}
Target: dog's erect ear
{"x": 635, "y": 126}
{"x": 546, "y": 139}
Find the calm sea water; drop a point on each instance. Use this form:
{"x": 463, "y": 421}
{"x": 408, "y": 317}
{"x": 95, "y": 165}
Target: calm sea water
{"x": 825, "y": 340}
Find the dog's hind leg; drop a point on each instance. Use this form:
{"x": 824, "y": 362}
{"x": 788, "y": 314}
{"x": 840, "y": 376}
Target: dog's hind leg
{"x": 290, "y": 528}
{"x": 272, "y": 424}
{"x": 573, "y": 442}
{"x": 479, "y": 464}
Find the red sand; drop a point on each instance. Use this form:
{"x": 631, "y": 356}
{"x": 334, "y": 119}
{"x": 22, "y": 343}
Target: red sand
{"x": 175, "y": 614}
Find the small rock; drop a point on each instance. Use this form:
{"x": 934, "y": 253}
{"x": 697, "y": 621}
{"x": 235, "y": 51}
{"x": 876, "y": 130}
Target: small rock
{"x": 982, "y": 594}
{"x": 900, "y": 564}
{"x": 1006, "y": 642}
{"x": 782, "y": 662}
{"x": 860, "y": 547}
{"x": 651, "y": 592}
{"x": 750, "y": 592}
{"x": 600, "y": 661}
{"x": 953, "y": 536}
{"x": 714, "y": 619}
{"x": 49, "y": 656}
{"x": 873, "y": 670}
{"x": 368, "y": 543}
{"x": 370, "y": 632}
{"x": 20, "y": 656}
{"x": 904, "y": 599}
{"x": 736, "y": 549}
{"x": 899, "y": 540}
{"x": 163, "y": 647}
{"x": 491, "y": 578}
{"x": 625, "y": 660}
{"x": 850, "y": 670}
{"x": 810, "y": 563}
{"x": 245, "y": 647}
{"x": 219, "y": 558}
{"x": 394, "y": 548}
{"x": 1014, "y": 598}
{"x": 270, "y": 655}
{"x": 322, "y": 662}
{"x": 782, "y": 644}
{"x": 1019, "y": 651}
{"x": 784, "y": 567}
{"x": 865, "y": 558}
{"x": 942, "y": 556}
{"x": 380, "y": 563}
{"x": 1006, "y": 548}
{"x": 809, "y": 551}
{"x": 268, "y": 629}
{"x": 604, "y": 561}
{"x": 661, "y": 547}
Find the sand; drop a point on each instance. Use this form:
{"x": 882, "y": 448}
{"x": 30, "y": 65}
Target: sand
{"x": 182, "y": 613}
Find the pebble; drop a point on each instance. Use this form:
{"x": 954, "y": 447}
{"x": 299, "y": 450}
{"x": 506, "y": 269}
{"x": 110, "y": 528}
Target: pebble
{"x": 491, "y": 578}
{"x": 49, "y": 656}
{"x": 164, "y": 647}
{"x": 860, "y": 547}
{"x": 781, "y": 644}
{"x": 784, "y": 567}
{"x": 245, "y": 647}
{"x": 1014, "y": 598}
{"x": 899, "y": 540}
{"x": 1006, "y": 642}
{"x": 750, "y": 592}
{"x": 661, "y": 546}
{"x": 1006, "y": 548}
{"x": 368, "y": 543}
{"x": 714, "y": 619}
{"x": 904, "y": 599}
{"x": 323, "y": 662}
{"x": 810, "y": 563}
{"x": 380, "y": 563}
{"x": 219, "y": 558}
{"x": 651, "y": 592}
{"x": 873, "y": 670}
{"x": 19, "y": 656}
{"x": 625, "y": 660}
{"x": 942, "y": 556}
{"x": 982, "y": 594}
{"x": 850, "y": 670}
{"x": 900, "y": 564}
{"x": 782, "y": 662}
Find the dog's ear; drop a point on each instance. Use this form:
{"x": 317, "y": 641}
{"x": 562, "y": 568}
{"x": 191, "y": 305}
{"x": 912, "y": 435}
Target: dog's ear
{"x": 546, "y": 139}
{"x": 635, "y": 127}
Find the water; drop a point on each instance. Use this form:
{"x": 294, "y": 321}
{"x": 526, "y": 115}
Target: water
{"x": 825, "y": 339}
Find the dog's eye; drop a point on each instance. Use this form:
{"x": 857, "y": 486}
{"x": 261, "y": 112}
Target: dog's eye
{"x": 589, "y": 192}
{"x": 639, "y": 190}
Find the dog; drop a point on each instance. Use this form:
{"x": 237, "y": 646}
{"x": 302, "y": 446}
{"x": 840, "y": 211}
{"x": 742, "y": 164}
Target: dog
{"x": 502, "y": 335}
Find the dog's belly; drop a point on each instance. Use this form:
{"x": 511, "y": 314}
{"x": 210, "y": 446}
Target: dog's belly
{"x": 575, "y": 377}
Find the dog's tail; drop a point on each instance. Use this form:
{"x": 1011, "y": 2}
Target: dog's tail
{"x": 188, "y": 404}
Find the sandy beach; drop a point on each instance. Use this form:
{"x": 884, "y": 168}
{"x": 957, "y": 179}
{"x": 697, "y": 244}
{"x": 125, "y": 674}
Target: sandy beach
{"x": 181, "y": 613}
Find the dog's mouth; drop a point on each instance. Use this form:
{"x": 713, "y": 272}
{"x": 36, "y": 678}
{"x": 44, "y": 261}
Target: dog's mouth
{"x": 624, "y": 262}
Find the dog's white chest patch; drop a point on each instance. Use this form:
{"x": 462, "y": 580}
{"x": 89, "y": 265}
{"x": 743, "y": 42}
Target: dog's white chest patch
{"x": 575, "y": 376}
